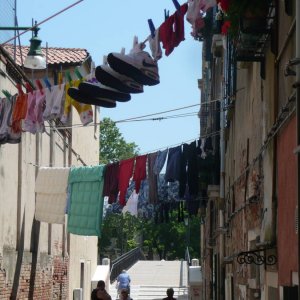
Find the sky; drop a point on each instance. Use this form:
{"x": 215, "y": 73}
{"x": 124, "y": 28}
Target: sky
{"x": 102, "y": 27}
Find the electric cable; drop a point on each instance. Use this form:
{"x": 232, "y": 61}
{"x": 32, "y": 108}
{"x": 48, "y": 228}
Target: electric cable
{"x": 123, "y": 120}
{"x": 42, "y": 22}
{"x": 212, "y": 134}
{"x": 162, "y": 112}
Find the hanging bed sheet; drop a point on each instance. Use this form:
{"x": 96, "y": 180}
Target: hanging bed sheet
{"x": 51, "y": 194}
{"x": 86, "y": 200}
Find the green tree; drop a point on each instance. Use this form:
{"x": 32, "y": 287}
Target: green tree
{"x": 113, "y": 146}
{"x": 169, "y": 240}
{"x": 124, "y": 228}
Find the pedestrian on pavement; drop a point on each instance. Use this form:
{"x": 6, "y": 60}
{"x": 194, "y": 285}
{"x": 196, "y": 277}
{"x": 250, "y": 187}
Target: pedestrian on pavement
{"x": 170, "y": 294}
{"x": 100, "y": 293}
{"x": 124, "y": 295}
{"x": 123, "y": 281}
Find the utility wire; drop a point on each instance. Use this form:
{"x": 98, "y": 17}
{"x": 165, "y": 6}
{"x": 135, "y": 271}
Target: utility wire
{"x": 74, "y": 126}
{"x": 212, "y": 134}
{"x": 40, "y": 23}
{"x": 122, "y": 121}
{"x": 165, "y": 118}
{"x": 162, "y": 112}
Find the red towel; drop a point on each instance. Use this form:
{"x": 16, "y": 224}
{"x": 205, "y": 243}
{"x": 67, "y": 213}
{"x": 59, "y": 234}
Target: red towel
{"x": 171, "y": 32}
{"x": 139, "y": 171}
{"x": 125, "y": 173}
{"x": 111, "y": 181}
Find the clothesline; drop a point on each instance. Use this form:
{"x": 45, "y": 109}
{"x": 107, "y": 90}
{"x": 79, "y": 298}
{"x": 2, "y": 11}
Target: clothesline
{"x": 135, "y": 118}
{"x": 192, "y": 19}
{"x": 42, "y": 22}
{"x": 60, "y": 190}
{"x": 144, "y": 153}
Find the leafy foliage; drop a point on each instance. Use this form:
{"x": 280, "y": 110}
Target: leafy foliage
{"x": 167, "y": 240}
{"x": 237, "y": 9}
{"x": 124, "y": 229}
{"x": 113, "y": 146}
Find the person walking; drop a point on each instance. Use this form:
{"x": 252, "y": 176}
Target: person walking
{"x": 170, "y": 294}
{"x": 100, "y": 293}
{"x": 123, "y": 281}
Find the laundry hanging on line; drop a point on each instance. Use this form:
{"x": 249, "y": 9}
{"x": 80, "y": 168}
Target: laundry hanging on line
{"x": 84, "y": 201}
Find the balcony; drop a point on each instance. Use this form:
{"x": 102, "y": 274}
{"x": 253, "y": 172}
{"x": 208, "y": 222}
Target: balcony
{"x": 253, "y": 35}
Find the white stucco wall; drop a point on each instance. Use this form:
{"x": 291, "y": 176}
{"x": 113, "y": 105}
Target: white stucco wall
{"x": 18, "y": 165}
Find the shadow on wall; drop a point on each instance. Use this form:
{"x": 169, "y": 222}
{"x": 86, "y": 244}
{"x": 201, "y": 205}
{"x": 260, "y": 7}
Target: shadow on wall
{"x": 35, "y": 236}
{"x": 15, "y": 286}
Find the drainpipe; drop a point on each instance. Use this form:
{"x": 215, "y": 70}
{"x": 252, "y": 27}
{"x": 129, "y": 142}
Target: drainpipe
{"x": 222, "y": 158}
{"x": 298, "y": 126}
{"x": 222, "y": 188}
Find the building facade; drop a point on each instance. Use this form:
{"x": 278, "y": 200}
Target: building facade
{"x": 250, "y": 240}
{"x": 40, "y": 260}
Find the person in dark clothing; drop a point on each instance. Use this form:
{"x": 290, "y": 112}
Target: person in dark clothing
{"x": 170, "y": 294}
{"x": 124, "y": 295}
{"x": 99, "y": 293}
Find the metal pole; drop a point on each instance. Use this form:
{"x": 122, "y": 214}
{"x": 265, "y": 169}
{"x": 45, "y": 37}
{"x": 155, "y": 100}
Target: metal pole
{"x": 298, "y": 126}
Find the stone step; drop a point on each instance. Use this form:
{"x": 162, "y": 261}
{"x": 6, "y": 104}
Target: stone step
{"x": 153, "y": 278}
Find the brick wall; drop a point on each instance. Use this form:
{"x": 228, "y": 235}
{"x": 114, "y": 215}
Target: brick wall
{"x": 28, "y": 277}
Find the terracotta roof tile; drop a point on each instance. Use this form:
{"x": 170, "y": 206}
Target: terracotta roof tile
{"x": 55, "y": 55}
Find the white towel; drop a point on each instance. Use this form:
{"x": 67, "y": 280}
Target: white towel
{"x": 51, "y": 190}
{"x": 131, "y": 205}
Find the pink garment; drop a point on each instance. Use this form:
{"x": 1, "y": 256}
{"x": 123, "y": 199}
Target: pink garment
{"x": 171, "y": 32}
{"x": 30, "y": 119}
{"x": 194, "y": 16}
{"x": 34, "y": 122}
{"x": 139, "y": 171}
{"x": 125, "y": 173}
{"x": 39, "y": 109}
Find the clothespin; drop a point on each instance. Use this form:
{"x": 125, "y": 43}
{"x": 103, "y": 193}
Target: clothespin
{"x": 152, "y": 28}
{"x": 40, "y": 86}
{"x": 68, "y": 77}
{"x": 47, "y": 83}
{"x": 7, "y": 94}
{"x": 78, "y": 74}
{"x": 19, "y": 87}
{"x": 177, "y": 5}
{"x": 28, "y": 87}
{"x": 167, "y": 14}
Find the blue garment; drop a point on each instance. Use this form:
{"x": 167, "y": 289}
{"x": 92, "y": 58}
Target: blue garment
{"x": 162, "y": 187}
{"x": 123, "y": 281}
{"x": 160, "y": 161}
{"x": 173, "y": 164}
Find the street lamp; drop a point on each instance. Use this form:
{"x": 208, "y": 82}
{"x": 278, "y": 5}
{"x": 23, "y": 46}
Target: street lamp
{"x": 35, "y": 58}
